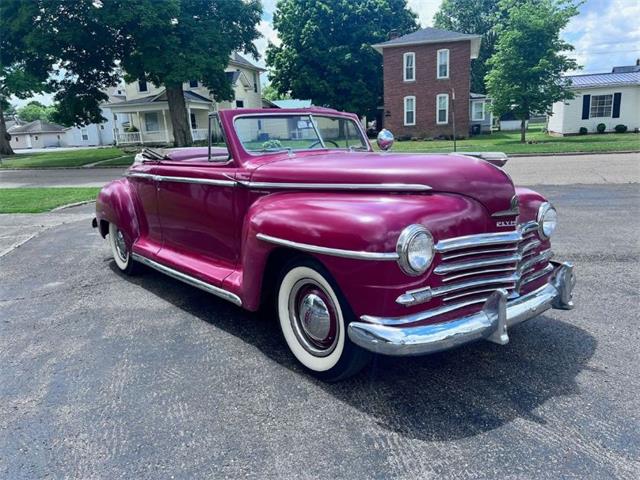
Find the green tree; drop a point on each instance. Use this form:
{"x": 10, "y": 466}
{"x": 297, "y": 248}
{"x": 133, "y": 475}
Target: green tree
{"x": 528, "y": 65}
{"x": 59, "y": 46}
{"x": 35, "y": 110}
{"x": 169, "y": 42}
{"x": 270, "y": 93}
{"x": 478, "y": 17}
{"x": 326, "y": 53}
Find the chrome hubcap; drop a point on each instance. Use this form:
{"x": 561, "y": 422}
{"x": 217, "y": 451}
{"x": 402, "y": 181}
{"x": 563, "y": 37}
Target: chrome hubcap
{"x": 121, "y": 247}
{"x": 313, "y": 318}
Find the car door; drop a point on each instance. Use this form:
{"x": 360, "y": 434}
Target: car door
{"x": 142, "y": 178}
{"x": 197, "y": 206}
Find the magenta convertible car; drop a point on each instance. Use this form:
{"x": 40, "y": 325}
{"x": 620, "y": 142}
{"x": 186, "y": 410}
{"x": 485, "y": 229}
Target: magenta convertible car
{"x": 358, "y": 251}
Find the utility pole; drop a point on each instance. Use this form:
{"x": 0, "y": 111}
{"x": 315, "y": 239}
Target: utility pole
{"x": 453, "y": 117}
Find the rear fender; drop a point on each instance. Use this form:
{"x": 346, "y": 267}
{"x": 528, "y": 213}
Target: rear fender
{"x": 116, "y": 204}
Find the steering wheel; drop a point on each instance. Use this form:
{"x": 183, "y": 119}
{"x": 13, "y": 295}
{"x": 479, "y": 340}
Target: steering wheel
{"x": 317, "y": 142}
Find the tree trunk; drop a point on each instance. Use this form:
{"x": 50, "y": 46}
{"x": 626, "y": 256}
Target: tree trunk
{"x": 5, "y": 144}
{"x": 523, "y": 130}
{"x": 178, "y": 114}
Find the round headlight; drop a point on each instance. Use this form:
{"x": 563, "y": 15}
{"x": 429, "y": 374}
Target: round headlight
{"x": 415, "y": 250}
{"x": 547, "y": 220}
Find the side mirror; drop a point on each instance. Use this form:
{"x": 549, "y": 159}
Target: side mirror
{"x": 385, "y": 139}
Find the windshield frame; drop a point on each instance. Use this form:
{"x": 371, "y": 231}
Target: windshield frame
{"x": 311, "y": 116}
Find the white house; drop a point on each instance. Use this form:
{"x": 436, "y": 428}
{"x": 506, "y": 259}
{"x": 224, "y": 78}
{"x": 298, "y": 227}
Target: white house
{"x": 610, "y": 98}
{"x": 147, "y": 109}
{"x": 37, "y": 134}
{"x": 100, "y": 133}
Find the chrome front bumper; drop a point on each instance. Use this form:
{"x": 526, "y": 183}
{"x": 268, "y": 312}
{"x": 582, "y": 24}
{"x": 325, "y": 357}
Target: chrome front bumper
{"x": 491, "y": 323}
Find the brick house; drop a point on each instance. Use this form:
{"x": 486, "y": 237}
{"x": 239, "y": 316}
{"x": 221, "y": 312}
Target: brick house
{"x": 422, "y": 71}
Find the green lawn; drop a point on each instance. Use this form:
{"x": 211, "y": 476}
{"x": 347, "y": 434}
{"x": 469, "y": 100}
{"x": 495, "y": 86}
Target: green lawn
{"x": 36, "y": 200}
{"x": 67, "y": 158}
{"x": 509, "y": 142}
{"x": 124, "y": 161}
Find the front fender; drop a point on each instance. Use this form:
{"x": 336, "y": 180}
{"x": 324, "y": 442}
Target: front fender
{"x": 116, "y": 204}
{"x": 369, "y": 222}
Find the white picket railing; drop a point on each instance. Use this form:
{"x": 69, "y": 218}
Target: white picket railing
{"x": 199, "y": 134}
{"x": 128, "y": 137}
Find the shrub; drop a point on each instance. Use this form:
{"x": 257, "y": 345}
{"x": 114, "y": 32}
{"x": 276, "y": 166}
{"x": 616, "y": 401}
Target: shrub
{"x": 620, "y": 128}
{"x": 583, "y": 131}
{"x": 601, "y": 128}
{"x": 403, "y": 138}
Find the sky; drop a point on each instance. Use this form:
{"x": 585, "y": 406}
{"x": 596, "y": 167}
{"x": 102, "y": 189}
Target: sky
{"x": 606, "y": 33}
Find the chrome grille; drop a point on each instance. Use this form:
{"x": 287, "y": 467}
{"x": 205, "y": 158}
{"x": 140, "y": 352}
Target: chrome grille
{"x": 474, "y": 266}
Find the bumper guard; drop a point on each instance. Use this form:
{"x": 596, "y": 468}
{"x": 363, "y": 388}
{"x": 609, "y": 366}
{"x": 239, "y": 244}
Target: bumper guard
{"x": 491, "y": 323}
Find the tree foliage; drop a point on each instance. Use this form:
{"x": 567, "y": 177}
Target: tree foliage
{"x": 326, "y": 53}
{"x": 528, "y": 65}
{"x": 35, "y": 110}
{"x": 478, "y": 17}
{"x": 270, "y": 93}
{"x": 170, "y": 42}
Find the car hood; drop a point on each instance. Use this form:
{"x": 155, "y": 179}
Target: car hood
{"x": 457, "y": 174}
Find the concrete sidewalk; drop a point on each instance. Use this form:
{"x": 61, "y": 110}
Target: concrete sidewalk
{"x": 17, "y": 229}
{"x": 66, "y": 177}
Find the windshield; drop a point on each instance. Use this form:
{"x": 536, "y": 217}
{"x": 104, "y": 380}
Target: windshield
{"x": 297, "y": 132}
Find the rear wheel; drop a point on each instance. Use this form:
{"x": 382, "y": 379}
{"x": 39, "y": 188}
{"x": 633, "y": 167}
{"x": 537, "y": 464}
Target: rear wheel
{"x": 314, "y": 318}
{"x": 120, "y": 251}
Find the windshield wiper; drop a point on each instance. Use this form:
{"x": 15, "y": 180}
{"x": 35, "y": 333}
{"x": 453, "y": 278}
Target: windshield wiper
{"x": 353, "y": 148}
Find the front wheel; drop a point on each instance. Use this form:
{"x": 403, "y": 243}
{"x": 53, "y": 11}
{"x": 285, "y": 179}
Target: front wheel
{"x": 120, "y": 251}
{"x": 313, "y": 319}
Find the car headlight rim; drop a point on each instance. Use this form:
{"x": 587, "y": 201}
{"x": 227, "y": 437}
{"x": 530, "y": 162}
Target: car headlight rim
{"x": 547, "y": 216}
{"x": 408, "y": 237}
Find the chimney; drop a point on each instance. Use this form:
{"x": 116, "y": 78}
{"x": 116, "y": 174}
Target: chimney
{"x": 393, "y": 34}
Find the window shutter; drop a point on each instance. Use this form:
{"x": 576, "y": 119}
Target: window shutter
{"x": 586, "y": 103}
{"x": 616, "y": 105}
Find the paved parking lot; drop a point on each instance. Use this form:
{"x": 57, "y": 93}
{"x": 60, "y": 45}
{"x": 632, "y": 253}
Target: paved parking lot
{"x": 103, "y": 376}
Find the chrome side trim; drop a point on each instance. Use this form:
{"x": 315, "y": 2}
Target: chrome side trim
{"x": 386, "y": 187}
{"x": 445, "y": 268}
{"x": 183, "y": 277}
{"x": 335, "y": 252}
{"x": 166, "y": 178}
{"x": 469, "y": 241}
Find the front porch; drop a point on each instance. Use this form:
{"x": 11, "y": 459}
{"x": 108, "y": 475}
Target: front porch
{"x": 150, "y": 123}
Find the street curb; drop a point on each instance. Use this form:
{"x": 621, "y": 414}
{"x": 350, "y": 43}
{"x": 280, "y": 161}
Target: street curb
{"x": 69, "y": 205}
{"x": 567, "y": 154}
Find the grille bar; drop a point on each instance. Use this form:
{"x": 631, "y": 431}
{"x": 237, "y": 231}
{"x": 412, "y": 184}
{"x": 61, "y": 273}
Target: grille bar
{"x": 445, "y": 268}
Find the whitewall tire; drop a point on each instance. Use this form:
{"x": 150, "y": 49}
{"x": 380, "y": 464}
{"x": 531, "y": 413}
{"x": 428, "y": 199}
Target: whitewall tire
{"x": 119, "y": 250}
{"x": 314, "y": 323}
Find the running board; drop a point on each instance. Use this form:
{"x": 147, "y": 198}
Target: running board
{"x": 183, "y": 277}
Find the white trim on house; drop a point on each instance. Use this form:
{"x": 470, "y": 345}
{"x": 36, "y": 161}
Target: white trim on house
{"x": 438, "y": 109}
{"x": 412, "y": 111}
{"x": 438, "y": 64}
{"x": 473, "y": 112}
{"x": 405, "y": 57}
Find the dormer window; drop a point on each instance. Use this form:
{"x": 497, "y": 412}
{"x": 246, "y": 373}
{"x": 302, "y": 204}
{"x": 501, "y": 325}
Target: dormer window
{"x": 142, "y": 85}
{"x": 443, "y": 63}
{"x": 193, "y": 83}
{"x": 409, "y": 70}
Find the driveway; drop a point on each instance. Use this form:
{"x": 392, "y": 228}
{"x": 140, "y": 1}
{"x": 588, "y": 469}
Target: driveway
{"x": 560, "y": 170}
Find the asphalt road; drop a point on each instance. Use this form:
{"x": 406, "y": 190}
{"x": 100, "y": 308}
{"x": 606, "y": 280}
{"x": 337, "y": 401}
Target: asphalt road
{"x": 104, "y": 376}
{"x": 535, "y": 170}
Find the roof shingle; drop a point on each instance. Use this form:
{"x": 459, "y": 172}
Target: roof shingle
{"x": 604, "y": 79}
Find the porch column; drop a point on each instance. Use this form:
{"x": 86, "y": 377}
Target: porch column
{"x": 190, "y": 126}
{"x": 140, "y": 127}
{"x": 166, "y": 128}
{"x": 115, "y": 127}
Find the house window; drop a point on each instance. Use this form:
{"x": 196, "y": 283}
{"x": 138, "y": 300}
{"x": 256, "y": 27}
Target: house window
{"x": 142, "y": 85}
{"x": 239, "y": 103}
{"x": 85, "y": 134}
{"x": 443, "y": 63}
{"x": 255, "y": 82}
{"x": 36, "y": 137}
{"x": 601, "y": 105}
{"x": 442, "y": 108}
{"x": 409, "y": 110}
{"x": 409, "y": 62}
{"x": 477, "y": 111}
{"x": 151, "y": 122}
{"x": 192, "y": 117}
{"x": 101, "y": 127}
{"x": 193, "y": 83}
